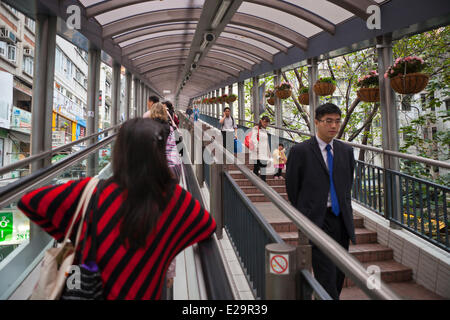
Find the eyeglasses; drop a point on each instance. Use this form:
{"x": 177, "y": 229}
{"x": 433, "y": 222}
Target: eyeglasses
{"x": 328, "y": 122}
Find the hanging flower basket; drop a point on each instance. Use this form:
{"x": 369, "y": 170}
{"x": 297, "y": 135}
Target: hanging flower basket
{"x": 270, "y": 95}
{"x": 369, "y": 94}
{"x": 324, "y": 86}
{"x": 406, "y": 77}
{"x": 284, "y": 90}
{"x": 409, "y": 83}
{"x": 303, "y": 97}
{"x": 231, "y": 98}
{"x": 271, "y": 101}
{"x": 370, "y": 91}
{"x": 212, "y": 100}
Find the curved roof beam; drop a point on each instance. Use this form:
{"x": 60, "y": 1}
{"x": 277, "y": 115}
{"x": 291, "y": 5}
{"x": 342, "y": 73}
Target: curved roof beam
{"x": 220, "y": 58}
{"x": 235, "y": 53}
{"x": 175, "y": 70}
{"x": 244, "y": 46}
{"x": 229, "y": 59}
{"x": 264, "y": 25}
{"x": 161, "y": 64}
{"x": 298, "y": 12}
{"x": 357, "y": 7}
{"x": 150, "y": 19}
{"x": 105, "y": 6}
{"x": 172, "y": 64}
{"x": 203, "y": 77}
{"x": 257, "y": 37}
{"x": 159, "y": 49}
{"x": 156, "y": 42}
{"x": 161, "y": 28}
{"x": 160, "y": 55}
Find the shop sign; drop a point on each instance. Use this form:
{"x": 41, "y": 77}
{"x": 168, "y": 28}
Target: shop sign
{"x": 14, "y": 227}
{"x": 21, "y": 120}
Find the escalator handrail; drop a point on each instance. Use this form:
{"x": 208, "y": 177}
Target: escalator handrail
{"x": 45, "y": 154}
{"x": 17, "y": 188}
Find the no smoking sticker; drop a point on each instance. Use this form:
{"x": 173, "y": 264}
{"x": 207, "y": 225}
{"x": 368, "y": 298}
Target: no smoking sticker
{"x": 279, "y": 263}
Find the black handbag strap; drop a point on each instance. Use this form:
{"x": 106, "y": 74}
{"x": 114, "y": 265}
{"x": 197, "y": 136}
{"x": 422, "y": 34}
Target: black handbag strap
{"x": 92, "y": 227}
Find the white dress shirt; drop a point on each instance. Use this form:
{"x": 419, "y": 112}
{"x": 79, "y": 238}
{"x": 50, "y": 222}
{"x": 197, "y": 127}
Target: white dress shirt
{"x": 323, "y": 150}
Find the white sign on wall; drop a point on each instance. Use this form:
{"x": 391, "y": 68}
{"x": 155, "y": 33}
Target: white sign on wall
{"x": 6, "y": 98}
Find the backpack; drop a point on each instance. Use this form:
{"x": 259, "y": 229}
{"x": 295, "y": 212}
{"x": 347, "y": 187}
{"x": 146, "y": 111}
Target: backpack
{"x": 248, "y": 140}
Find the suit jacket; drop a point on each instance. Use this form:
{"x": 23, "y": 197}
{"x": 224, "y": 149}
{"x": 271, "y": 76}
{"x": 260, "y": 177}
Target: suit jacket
{"x": 308, "y": 182}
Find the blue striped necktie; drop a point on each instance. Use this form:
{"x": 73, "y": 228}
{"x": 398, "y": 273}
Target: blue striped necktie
{"x": 334, "y": 199}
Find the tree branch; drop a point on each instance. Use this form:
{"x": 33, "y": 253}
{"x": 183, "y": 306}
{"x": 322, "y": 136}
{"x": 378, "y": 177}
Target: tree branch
{"x": 347, "y": 117}
{"x": 368, "y": 120}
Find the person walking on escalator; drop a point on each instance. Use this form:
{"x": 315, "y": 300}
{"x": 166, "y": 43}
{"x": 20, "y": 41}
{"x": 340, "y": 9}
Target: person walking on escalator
{"x": 260, "y": 155}
{"x": 140, "y": 226}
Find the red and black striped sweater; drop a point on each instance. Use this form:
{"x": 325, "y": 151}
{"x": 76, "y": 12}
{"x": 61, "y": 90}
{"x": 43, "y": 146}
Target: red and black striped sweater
{"x": 126, "y": 273}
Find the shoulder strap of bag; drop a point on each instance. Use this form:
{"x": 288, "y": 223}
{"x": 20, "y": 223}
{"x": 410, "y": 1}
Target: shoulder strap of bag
{"x": 82, "y": 205}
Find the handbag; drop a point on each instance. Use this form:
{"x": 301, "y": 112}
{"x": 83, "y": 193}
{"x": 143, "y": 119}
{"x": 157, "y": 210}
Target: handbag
{"x": 237, "y": 146}
{"x": 248, "y": 140}
{"x": 57, "y": 261}
{"x": 87, "y": 283}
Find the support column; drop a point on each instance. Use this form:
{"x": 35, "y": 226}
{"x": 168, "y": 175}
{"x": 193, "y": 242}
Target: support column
{"x": 278, "y": 104}
{"x": 241, "y": 103}
{"x": 143, "y": 103}
{"x": 136, "y": 97}
{"x": 389, "y": 123}
{"x": 42, "y": 102}
{"x": 230, "y": 104}
{"x": 313, "y": 98}
{"x": 255, "y": 99}
{"x": 218, "y": 113}
{"x": 128, "y": 95}
{"x": 115, "y": 112}
{"x": 223, "y": 102}
{"x": 92, "y": 104}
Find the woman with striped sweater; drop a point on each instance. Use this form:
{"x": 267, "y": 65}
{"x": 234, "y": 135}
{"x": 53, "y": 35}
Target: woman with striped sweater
{"x": 144, "y": 218}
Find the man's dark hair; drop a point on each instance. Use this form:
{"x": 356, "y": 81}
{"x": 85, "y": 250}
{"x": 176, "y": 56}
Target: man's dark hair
{"x": 280, "y": 144}
{"x": 168, "y": 105}
{"x": 226, "y": 108}
{"x": 264, "y": 118}
{"x": 327, "y": 108}
{"x": 154, "y": 99}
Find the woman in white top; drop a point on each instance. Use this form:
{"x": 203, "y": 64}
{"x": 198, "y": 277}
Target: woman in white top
{"x": 260, "y": 155}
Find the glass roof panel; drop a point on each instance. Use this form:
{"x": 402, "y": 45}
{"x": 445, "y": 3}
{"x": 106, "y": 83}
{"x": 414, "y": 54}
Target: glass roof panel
{"x": 258, "y": 44}
{"x": 155, "y": 35}
{"x": 88, "y": 3}
{"x": 325, "y": 9}
{"x": 218, "y": 50}
{"x": 145, "y": 7}
{"x": 289, "y": 21}
{"x": 284, "y": 43}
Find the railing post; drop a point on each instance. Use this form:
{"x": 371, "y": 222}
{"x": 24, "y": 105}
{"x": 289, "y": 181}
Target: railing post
{"x": 304, "y": 261}
{"x": 216, "y": 196}
{"x": 281, "y": 269}
{"x": 313, "y": 72}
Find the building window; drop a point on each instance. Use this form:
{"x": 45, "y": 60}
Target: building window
{"x": 30, "y": 23}
{"x": 3, "y": 48}
{"x": 406, "y": 103}
{"x": 12, "y": 53}
{"x": 28, "y": 65}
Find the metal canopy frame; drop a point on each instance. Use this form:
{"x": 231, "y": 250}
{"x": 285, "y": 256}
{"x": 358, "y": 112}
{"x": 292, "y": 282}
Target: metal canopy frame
{"x": 341, "y": 35}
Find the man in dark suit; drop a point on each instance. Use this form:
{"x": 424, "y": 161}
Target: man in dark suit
{"x": 325, "y": 199}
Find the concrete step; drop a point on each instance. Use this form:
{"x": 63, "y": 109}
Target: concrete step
{"x": 259, "y": 197}
{"x": 368, "y": 252}
{"x": 253, "y": 189}
{"x": 358, "y": 221}
{"x": 391, "y": 271}
{"x": 364, "y": 235}
{"x": 290, "y": 238}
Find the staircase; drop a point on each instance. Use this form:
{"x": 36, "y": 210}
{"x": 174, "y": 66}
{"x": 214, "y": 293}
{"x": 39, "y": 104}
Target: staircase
{"x": 367, "y": 250}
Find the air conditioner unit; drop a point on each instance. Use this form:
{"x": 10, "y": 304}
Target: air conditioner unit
{"x": 28, "y": 52}
{"x": 7, "y": 36}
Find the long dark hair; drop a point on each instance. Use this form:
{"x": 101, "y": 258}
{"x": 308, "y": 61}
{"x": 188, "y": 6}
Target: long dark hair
{"x": 140, "y": 168}
{"x": 263, "y": 118}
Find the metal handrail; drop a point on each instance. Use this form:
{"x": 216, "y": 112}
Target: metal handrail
{"x": 216, "y": 282}
{"x": 431, "y": 162}
{"x": 48, "y": 153}
{"x": 334, "y": 251}
{"x": 16, "y": 189}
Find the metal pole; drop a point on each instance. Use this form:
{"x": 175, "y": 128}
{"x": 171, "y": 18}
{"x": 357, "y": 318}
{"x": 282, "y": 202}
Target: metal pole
{"x": 241, "y": 102}
{"x": 230, "y": 104}
{"x": 42, "y": 102}
{"x": 216, "y": 202}
{"x": 389, "y": 121}
{"x": 128, "y": 94}
{"x": 313, "y": 98}
{"x": 223, "y": 103}
{"x": 281, "y": 269}
{"x": 115, "y": 94}
{"x": 92, "y": 104}
{"x": 278, "y": 104}
{"x": 135, "y": 97}
{"x": 218, "y": 113}
{"x": 143, "y": 104}
{"x": 255, "y": 99}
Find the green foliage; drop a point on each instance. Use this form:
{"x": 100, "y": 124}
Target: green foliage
{"x": 327, "y": 79}
{"x": 369, "y": 81}
{"x": 303, "y": 90}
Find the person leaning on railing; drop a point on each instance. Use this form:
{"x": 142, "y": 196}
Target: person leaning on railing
{"x": 319, "y": 178}
{"x": 144, "y": 217}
